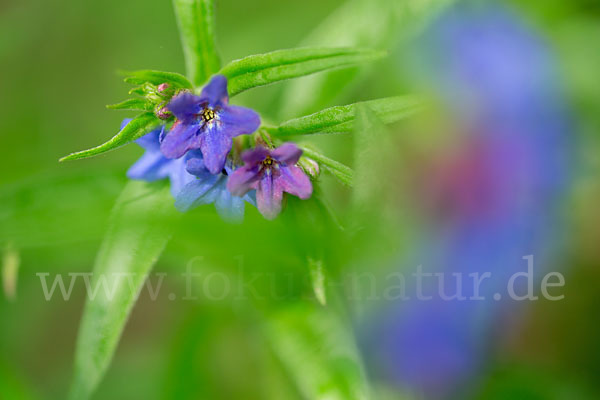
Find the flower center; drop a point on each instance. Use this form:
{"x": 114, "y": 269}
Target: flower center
{"x": 268, "y": 162}
{"x": 208, "y": 114}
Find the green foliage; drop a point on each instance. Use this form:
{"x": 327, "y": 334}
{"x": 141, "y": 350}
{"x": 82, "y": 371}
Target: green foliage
{"x": 317, "y": 278}
{"x": 372, "y": 148}
{"x": 137, "y": 235}
{"x": 264, "y": 69}
{"x": 357, "y": 23}
{"x": 195, "y": 19}
{"x": 131, "y": 104}
{"x": 156, "y": 78}
{"x": 318, "y": 352}
{"x": 137, "y": 128}
{"x": 341, "y": 119}
{"x": 342, "y": 172}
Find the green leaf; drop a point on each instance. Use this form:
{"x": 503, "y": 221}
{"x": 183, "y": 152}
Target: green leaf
{"x": 318, "y": 352}
{"x": 264, "y": 69}
{"x": 374, "y": 152}
{"x": 195, "y": 19}
{"x": 137, "y": 128}
{"x": 342, "y": 172}
{"x": 131, "y": 104}
{"x": 317, "y": 278}
{"x": 340, "y": 119}
{"x": 138, "y": 231}
{"x": 357, "y": 23}
{"x": 156, "y": 78}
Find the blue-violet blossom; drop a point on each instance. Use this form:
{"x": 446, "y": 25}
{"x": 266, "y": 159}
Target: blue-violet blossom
{"x": 211, "y": 188}
{"x": 208, "y": 123}
{"x": 271, "y": 172}
{"x": 153, "y": 165}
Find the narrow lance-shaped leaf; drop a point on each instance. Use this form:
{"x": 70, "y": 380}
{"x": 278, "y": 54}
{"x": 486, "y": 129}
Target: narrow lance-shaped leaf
{"x": 195, "y": 19}
{"x": 357, "y": 23}
{"x": 137, "y": 128}
{"x": 342, "y": 172}
{"x": 318, "y": 351}
{"x": 340, "y": 119}
{"x": 136, "y": 236}
{"x": 156, "y": 78}
{"x": 131, "y": 104}
{"x": 264, "y": 69}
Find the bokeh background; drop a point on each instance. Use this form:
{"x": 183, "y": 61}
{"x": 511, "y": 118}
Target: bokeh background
{"x": 422, "y": 199}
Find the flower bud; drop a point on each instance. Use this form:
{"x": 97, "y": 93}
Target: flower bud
{"x": 162, "y": 113}
{"x": 309, "y": 166}
{"x": 162, "y": 87}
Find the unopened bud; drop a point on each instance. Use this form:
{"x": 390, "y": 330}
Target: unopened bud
{"x": 162, "y": 112}
{"x": 162, "y": 87}
{"x": 309, "y": 166}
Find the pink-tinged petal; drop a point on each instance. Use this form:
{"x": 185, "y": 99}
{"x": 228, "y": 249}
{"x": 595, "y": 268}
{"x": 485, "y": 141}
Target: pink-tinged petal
{"x": 242, "y": 179}
{"x": 215, "y": 92}
{"x": 268, "y": 197}
{"x": 287, "y": 153}
{"x": 236, "y": 120}
{"x": 294, "y": 181}
{"x": 255, "y": 155}
{"x": 215, "y": 145}
{"x": 181, "y": 138}
{"x": 185, "y": 106}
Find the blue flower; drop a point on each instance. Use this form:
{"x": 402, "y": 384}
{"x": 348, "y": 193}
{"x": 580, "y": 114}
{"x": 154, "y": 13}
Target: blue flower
{"x": 153, "y": 165}
{"x": 211, "y": 188}
{"x": 208, "y": 123}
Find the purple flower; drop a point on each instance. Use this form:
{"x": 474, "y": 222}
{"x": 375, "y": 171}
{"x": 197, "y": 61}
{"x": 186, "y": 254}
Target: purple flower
{"x": 271, "y": 172}
{"x": 208, "y": 123}
{"x": 153, "y": 165}
{"x": 211, "y": 188}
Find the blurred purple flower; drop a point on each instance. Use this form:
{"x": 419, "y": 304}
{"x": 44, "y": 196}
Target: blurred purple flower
{"x": 499, "y": 193}
{"x": 209, "y": 188}
{"x": 153, "y": 165}
{"x": 271, "y": 172}
{"x": 208, "y": 123}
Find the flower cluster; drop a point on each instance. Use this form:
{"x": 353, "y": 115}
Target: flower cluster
{"x": 196, "y": 156}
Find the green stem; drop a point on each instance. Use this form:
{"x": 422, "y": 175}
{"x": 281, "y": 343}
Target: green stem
{"x": 196, "y": 22}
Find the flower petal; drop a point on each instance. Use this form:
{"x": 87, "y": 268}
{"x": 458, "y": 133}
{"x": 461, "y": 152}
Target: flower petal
{"x": 185, "y": 106}
{"x": 230, "y": 208}
{"x": 151, "y": 140}
{"x": 196, "y": 193}
{"x": 180, "y": 139}
{"x": 178, "y": 175}
{"x": 268, "y": 197}
{"x": 255, "y": 155}
{"x": 242, "y": 180}
{"x": 287, "y": 153}
{"x": 195, "y": 166}
{"x": 150, "y": 167}
{"x": 294, "y": 181}
{"x": 215, "y": 145}
{"x": 215, "y": 92}
{"x": 250, "y": 197}
{"x": 236, "y": 120}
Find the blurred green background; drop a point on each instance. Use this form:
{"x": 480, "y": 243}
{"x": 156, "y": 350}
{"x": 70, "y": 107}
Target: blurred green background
{"x": 58, "y": 63}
